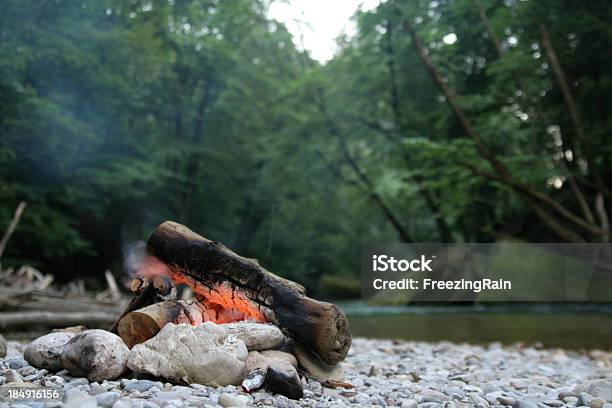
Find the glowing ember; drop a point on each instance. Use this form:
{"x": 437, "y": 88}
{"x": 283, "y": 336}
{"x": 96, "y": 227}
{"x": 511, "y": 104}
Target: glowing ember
{"x": 221, "y": 303}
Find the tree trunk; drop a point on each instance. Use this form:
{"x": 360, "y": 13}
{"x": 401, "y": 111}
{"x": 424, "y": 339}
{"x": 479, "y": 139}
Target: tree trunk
{"x": 533, "y": 197}
{"x": 364, "y": 181}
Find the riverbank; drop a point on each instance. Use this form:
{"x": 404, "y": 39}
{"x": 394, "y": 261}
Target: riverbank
{"x": 551, "y": 325}
{"x": 383, "y": 372}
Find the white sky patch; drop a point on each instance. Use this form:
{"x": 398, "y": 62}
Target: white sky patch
{"x": 315, "y": 24}
{"x": 450, "y": 38}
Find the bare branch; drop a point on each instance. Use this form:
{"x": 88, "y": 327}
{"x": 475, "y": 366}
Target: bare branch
{"x": 527, "y": 195}
{"x": 504, "y": 174}
{"x": 336, "y": 172}
{"x": 489, "y": 27}
{"x": 576, "y": 190}
{"x": 361, "y": 175}
{"x": 603, "y": 216}
{"x": 11, "y": 228}
{"x": 571, "y": 106}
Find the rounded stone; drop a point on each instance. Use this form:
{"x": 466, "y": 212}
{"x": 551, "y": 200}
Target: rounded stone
{"x": 139, "y": 385}
{"x": 409, "y": 403}
{"x": 230, "y": 400}
{"x": 13, "y": 376}
{"x": 45, "y": 351}
{"x": 17, "y": 363}
{"x": 107, "y": 399}
{"x": 183, "y": 353}
{"x": 95, "y": 354}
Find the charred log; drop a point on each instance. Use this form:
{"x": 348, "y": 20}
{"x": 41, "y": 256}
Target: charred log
{"x": 233, "y": 286}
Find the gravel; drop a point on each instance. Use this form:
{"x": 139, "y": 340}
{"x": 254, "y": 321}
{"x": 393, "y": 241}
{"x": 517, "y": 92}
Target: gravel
{"x": 384, "y": 373}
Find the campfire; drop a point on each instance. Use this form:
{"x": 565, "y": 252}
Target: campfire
{"x": 244, "y": 325}
{"x": 228, "y": 288}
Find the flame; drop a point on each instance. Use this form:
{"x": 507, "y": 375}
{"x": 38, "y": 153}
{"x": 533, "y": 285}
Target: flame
{"x": 218, "y": 304}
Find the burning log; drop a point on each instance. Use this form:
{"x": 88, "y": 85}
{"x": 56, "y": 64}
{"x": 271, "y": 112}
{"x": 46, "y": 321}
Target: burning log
{"x": 231, "y": 288}
{"x": 148, "y": 292}
{"x": 140, "y": 325}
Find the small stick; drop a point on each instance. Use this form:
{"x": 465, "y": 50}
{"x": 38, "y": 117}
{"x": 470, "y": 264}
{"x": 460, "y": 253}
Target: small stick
{"x": 112, "y": 285}
{"x": 12, "y": 226}
{"x": 337, "y": 384}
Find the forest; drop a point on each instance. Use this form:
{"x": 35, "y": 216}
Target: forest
{"x": 438, "y": 121}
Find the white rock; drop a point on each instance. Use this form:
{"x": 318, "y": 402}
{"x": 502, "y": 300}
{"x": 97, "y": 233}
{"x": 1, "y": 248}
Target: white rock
{"x": 230, "y": 400}
{"x": 256, "y": 336}
{"x": 597, "y": 388}
{"x": 280, "y": 355}
{"x": 107, "y": 399}
{"x": 13, "y": 376}
{"x": 315, "y": 368}
{"x": 82, "y": 402}
{"x": 45, "y": 351}
{"x": 95, "y": 354}
{"x": 203, "y": 354}
{"x": 260, "y": 360}
{"x": 283, "y": 380}
{"x": 123, "y": 403}
{"x": 409, "y": 403}
{"x": 78, "y": 399}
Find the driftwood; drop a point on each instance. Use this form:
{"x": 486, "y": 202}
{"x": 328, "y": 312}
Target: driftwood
{"x": 230, "y": 286}
{"x": 50, "y": 301}
{"x": 12, "y": 226}
{"x": 113, "y": 291}
{"x": 34, "y": 312}
{"x": 27, "y": 320}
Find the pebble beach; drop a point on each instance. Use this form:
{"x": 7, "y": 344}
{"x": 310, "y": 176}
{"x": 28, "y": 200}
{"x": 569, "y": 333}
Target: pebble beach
{"x": 383, "y": 373}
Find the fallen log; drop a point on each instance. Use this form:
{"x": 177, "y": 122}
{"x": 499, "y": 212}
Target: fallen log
{"x": 15, "y": 320}
{"x": 48, "y": 301}
{"x": 231, "y": 285}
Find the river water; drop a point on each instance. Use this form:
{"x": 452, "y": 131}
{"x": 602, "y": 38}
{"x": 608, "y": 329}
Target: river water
{"x": 575, "y": 326}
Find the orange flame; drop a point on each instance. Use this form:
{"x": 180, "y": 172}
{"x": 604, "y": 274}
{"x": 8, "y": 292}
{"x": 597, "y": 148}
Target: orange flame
{"x": 220, "y": 304}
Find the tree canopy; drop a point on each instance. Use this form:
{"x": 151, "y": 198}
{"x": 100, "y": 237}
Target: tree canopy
{"x": 438, "y": 121}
